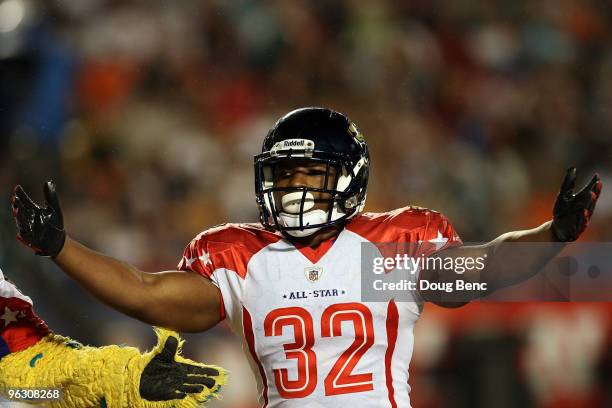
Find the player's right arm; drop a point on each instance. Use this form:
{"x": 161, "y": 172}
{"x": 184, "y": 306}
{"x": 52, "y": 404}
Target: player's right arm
{"x": 506, "y": 259}
{"x": 172, "y": 299}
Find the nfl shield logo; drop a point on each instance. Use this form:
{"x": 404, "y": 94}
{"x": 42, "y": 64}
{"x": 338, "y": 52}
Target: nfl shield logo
{"x": 313, "y": 273}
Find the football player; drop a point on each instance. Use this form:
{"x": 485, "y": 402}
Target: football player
{"x": 291, "y": 287}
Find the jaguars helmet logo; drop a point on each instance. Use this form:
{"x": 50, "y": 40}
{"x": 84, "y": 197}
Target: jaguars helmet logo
{"x": 355, "y": 132}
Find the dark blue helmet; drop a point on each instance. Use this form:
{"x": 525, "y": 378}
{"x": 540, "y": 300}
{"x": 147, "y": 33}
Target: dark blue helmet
{"x": 318, "y": 135}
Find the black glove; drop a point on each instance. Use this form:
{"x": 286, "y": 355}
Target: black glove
{"x": 572, "y": 212}
{"x": 40, "y": 228}
{"x": 165, "y": 379}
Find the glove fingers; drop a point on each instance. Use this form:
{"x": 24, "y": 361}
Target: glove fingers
{"x": 594, "y": 197}
{"x": 206, "y": 381}
{"x": 21, "y": 195}
{"x": 39, "y": 228}
{"x": 590, "y": 193}
{"x": 597, "y": 186}
{"x": 590, "y": 207}
{"x": 179, "y": 395}
{"x": 191, "y": 388}
{"x": 197, "y": 370}
{"x": 21, "y": 213}
{"x": 590, "y": 187}
{"x": 568, "y": 182}
{"x": 17, "y": 211}
{"x": 51, "y": 195}
{"x": 584, "y": 221}
{"x": 20, "y": 205}
{"x": 169, "y": 350}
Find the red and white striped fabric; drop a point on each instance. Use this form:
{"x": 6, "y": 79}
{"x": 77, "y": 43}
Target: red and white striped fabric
{"x": 20, "y": 327}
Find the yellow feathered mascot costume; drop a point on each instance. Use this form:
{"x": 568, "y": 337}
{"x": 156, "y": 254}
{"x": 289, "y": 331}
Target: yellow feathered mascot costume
{"x": 32, "y": 358}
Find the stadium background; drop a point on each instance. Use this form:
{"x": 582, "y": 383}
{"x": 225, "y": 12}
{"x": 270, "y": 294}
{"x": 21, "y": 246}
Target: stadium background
{"x": 148, "y": 113}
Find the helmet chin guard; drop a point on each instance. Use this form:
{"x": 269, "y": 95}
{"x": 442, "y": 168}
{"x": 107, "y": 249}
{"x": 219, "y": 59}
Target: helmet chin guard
{"x": 291, "y": 207}
{"x": 321, "y": 136}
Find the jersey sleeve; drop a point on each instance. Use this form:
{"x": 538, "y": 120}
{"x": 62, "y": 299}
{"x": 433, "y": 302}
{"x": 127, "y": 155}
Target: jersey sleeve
{"x": 199, "y": 258}
{"x": 427, "y": 232}
{"x": 414, "y": 231}
{"x": 435, "y": 233}
{"x": 439, "y": 233}
{"x": 430, "y": 229}
{"x": 221, "y": 254}
{"x": 196, "y": 258}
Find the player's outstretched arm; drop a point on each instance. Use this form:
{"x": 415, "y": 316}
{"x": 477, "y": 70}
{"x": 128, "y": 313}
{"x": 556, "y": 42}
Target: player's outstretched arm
{"x": 506, "y": 263}
{"x": 175, "y": 300}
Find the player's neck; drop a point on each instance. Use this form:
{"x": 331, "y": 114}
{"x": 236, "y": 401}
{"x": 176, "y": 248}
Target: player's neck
{"x": 317, "y": 238}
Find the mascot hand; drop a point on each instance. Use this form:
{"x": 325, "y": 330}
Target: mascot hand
{"x": 165, "y": 379}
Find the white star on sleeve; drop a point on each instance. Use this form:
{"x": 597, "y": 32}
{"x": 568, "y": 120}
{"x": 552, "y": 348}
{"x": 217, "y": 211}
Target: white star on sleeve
{"x": 205, "y": 258}
{"x": 9, "y": 316}
{"x": 439, "y": 240}
{"x": 189, "y": 261}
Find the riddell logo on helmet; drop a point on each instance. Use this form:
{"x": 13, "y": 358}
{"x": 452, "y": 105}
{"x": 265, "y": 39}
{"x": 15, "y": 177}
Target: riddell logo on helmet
{"x": 294, "y": 143}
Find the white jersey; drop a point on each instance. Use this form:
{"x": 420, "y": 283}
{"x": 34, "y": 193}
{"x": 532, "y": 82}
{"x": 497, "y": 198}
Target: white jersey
{"x": 309, "y": 339}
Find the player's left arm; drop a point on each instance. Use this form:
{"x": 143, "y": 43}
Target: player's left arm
{"x": 506, "y": 264}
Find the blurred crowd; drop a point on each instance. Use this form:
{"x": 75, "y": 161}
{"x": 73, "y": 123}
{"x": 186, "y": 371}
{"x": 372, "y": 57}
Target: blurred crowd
{"x": 147, "y": 113}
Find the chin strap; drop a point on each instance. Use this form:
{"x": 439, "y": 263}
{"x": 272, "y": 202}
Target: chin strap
{"x": 290, "y": 216}
{"x": 309, "y": 218}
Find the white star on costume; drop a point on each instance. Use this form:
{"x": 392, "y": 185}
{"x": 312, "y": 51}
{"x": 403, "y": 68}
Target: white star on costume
{"x": 204, "y": 258}
{"x": 9, "y": 316}
{"x": 439, "y": 240}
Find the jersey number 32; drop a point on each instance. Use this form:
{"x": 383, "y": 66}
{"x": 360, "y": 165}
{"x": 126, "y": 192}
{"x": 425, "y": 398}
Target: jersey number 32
{"x": 340, "y": 379}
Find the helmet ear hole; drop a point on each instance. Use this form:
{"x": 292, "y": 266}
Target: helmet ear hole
{"x": 350, "y": 203}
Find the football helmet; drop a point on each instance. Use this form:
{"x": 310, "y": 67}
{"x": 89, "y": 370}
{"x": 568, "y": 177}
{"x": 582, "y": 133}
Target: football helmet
{"x": 312, "y": 135}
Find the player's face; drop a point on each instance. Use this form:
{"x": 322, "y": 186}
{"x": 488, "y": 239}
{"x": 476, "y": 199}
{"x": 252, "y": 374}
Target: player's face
{"x": 304, "y": 173}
